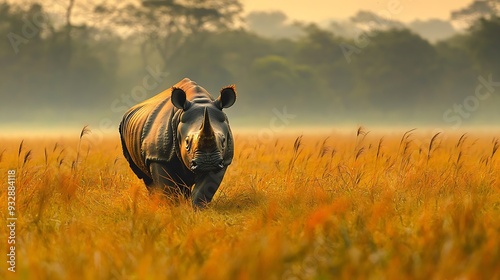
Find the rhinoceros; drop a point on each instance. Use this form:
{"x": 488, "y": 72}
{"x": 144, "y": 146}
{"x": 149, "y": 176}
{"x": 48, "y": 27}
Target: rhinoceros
{"x": 180, "y": 138}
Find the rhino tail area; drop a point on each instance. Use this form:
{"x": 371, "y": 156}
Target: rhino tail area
{"x": 147, "y": 180}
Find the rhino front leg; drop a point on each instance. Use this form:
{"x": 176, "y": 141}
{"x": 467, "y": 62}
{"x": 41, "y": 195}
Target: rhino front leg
{"x": 205, "y": 187}
{"x": 162, "y": 180}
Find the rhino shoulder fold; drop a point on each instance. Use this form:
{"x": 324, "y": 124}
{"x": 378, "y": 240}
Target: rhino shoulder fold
{"x": 160, "y": 142}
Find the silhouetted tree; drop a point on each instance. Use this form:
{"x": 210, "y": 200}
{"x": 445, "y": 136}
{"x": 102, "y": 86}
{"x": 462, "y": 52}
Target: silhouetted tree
{"x": 476, "y": 10}
{"x": 484, "y": 44}
{"x": 166, "y": 25}
{"x": 397, "y": 69}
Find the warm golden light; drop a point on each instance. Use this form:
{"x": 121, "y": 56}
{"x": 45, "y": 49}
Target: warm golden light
{"x": 323, "y": 10}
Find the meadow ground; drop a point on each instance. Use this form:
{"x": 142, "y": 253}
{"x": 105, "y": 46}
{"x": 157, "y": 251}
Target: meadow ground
{"x": 357, "y": 205}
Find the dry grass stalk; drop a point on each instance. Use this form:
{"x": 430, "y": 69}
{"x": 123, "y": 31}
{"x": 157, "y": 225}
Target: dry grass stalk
{"x": 85, "y": 130}
{"x": 432, "y": 146}
{"x": 496, "y": 145}
{"x": 296, "y": 152}
{"x": 404, "y": 139}
{"x": 1, "y": 155}
{"x": 379, "y": 147}
{"x": 27, "y": 157}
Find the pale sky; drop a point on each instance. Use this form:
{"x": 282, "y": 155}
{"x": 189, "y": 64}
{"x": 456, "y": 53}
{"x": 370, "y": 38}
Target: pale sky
{"x": 322, "y": 10}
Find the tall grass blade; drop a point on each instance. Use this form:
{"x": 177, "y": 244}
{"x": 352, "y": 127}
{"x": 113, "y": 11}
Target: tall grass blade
{"x": 85, "y": 130}
{"x": 431, "y": 145}
{"x": 496, "y": 145}
{"x": 27, "y": 157}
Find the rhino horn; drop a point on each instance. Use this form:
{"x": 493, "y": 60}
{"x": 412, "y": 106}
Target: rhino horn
{"x": 207, "y": 135}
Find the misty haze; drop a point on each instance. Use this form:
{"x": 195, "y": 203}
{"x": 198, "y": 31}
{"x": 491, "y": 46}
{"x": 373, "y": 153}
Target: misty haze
{"x": 91, "y": 65}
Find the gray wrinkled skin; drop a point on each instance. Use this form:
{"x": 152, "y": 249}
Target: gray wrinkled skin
{"x": 180, "y": 141}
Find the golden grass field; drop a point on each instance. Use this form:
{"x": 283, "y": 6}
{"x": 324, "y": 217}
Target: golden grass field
{"x": 353, "y": 205}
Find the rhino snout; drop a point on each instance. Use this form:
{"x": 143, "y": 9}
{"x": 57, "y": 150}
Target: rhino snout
{"x": 205, "y": 163}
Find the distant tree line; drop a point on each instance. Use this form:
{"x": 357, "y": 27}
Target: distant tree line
{"x": 60, "y": 68}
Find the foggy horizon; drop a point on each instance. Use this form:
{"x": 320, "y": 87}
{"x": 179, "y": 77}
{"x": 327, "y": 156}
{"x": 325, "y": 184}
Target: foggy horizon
{"x": 61, "y": 74}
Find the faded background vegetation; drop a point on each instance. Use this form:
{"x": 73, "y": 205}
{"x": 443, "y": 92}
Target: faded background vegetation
{"x": 68, "y": 63}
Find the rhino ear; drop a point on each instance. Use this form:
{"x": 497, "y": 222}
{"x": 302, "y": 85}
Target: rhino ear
{"x": 178, "y": 98}
{"x": 227, "y": 97}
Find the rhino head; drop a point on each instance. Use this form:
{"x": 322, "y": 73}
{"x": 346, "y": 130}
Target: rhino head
{"x": 203, "y": 135}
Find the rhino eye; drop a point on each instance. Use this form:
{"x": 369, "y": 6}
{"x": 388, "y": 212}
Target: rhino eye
{"x": 188, "y": 144}
{"x": 223, "y": 142}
